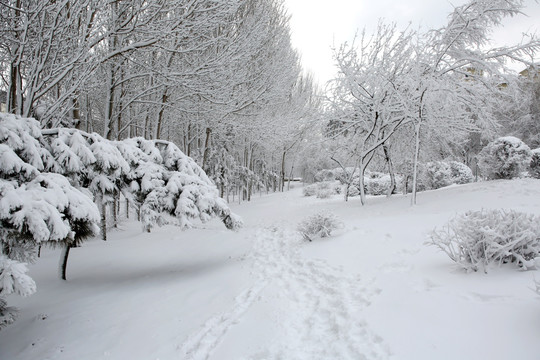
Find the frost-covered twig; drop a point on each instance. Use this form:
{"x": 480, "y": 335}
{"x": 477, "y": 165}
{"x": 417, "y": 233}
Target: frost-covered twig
{"x": 477, "y": 239}
{"x": 319, "y": 225}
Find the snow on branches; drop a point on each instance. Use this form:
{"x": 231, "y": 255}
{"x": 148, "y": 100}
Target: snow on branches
{"x": 476, "y": 239}
{"x": 156, "y": 176}
{"x": 51, "y": 181}
{"x": 36, "y": 206}
{"x": 13, "y": 280}
{"x": 186, "y": 194}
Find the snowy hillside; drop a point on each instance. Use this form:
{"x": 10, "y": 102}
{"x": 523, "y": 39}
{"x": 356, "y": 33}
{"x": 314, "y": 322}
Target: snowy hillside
{"x": 371, "y": 291}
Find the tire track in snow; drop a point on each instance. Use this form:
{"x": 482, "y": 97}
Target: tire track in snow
{"x": 322, "y": 318}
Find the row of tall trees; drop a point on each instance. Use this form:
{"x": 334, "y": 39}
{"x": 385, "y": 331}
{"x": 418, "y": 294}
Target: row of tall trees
{"x": 217, "y": 77}
{"x": 401, "y": 91}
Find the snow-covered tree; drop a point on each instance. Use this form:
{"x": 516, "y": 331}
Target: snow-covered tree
{"x": 444, "y": 82}
{"x": 37, "y": 207}
{"x": 460, "y": 74}
{"x": 187, "y": 193}
{"x": 504, "y": 158}
{"x": 369, "y": 97}
{"x": 91, "y": 162}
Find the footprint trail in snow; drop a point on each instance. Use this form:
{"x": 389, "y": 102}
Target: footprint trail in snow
{"x": 321, "y": 318}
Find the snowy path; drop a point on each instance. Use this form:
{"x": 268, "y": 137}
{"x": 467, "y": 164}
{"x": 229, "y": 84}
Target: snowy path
{"x": 320, "y": 312}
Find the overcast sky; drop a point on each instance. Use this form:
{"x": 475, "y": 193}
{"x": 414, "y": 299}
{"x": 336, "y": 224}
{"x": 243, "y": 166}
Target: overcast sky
{"x": 317, "y": 24}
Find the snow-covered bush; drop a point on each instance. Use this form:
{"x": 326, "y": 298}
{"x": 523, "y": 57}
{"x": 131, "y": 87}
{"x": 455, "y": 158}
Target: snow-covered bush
{"x": 353, "y": 191}
{"x": 310, "y": 190}
{"x": 318, "y": 225}
{"x": 322, "y": 190}
{"x": 477, "y": 239}
{"x": 377, "y": 183}
{"x": 437, "y": 174}
{"x": 325, "y": 175}
{"x": 460, "y": 173}
{"x": 504, "y": 158}
{"x": 534, "y": 166}
{"x": 13, "y": 280}
{"x": 327, "y": 188}
{"x": 324, "y": 193}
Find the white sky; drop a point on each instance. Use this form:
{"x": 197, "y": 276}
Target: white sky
{"x": 317, "y": 24}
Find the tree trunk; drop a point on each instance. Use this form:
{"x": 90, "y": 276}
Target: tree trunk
{"x": 160, "y": 114}
{"x": 103, "y": 221}
{"x": 115, "y": 207}
{"x": 127, "y": 209}
{"x": 362, "y": 169}
{"x": 362, "y": 166}
{"x": 76, "y": 112}
{"x": 282, "y": 175}
{"x": 390, "y": 170}
{"x": 63, "y": 261}
{"x": 206, "y": 147}
{"x": 415, "y": 164}
{"x": 12, "y": 103}
{"x": 14, "y": 73}
{"x": 417, "y": 149}
{"x": 109, "y": 105}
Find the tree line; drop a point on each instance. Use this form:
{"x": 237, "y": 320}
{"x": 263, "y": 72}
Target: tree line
{"x": 219, "y": 78}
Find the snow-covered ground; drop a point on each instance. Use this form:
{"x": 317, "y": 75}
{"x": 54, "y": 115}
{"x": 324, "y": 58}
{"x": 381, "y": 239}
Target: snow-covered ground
{"x": 371, "y": 291}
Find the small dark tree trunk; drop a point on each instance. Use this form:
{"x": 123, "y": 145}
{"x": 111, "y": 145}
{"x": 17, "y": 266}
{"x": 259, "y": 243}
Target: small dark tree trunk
{"x": 103, "y": 222}
{"x": 127, "y": 209}
{"x": 115, "y": 208}
{"x": 206, "y": 147}
{"x": 282, "y": 175}
{"x": 63, "y": 261}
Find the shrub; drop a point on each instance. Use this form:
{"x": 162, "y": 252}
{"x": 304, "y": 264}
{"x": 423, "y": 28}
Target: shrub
{"x": 534, "y": 166}
{"x": 436, "y": 174}
{"x": 377, "y": 183}
{"x": 324, "y": 193}
{"x": 310, "y": 190}
{"x": 319, "y": 225}
{"x": 353, "y": 191}
{"x": 477, "y": 239}
{"x": 325, "y": 175}
{"x": 322, "y": 190}
{"x": 460, "y": 173}
{"x": 504, "y": 158}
